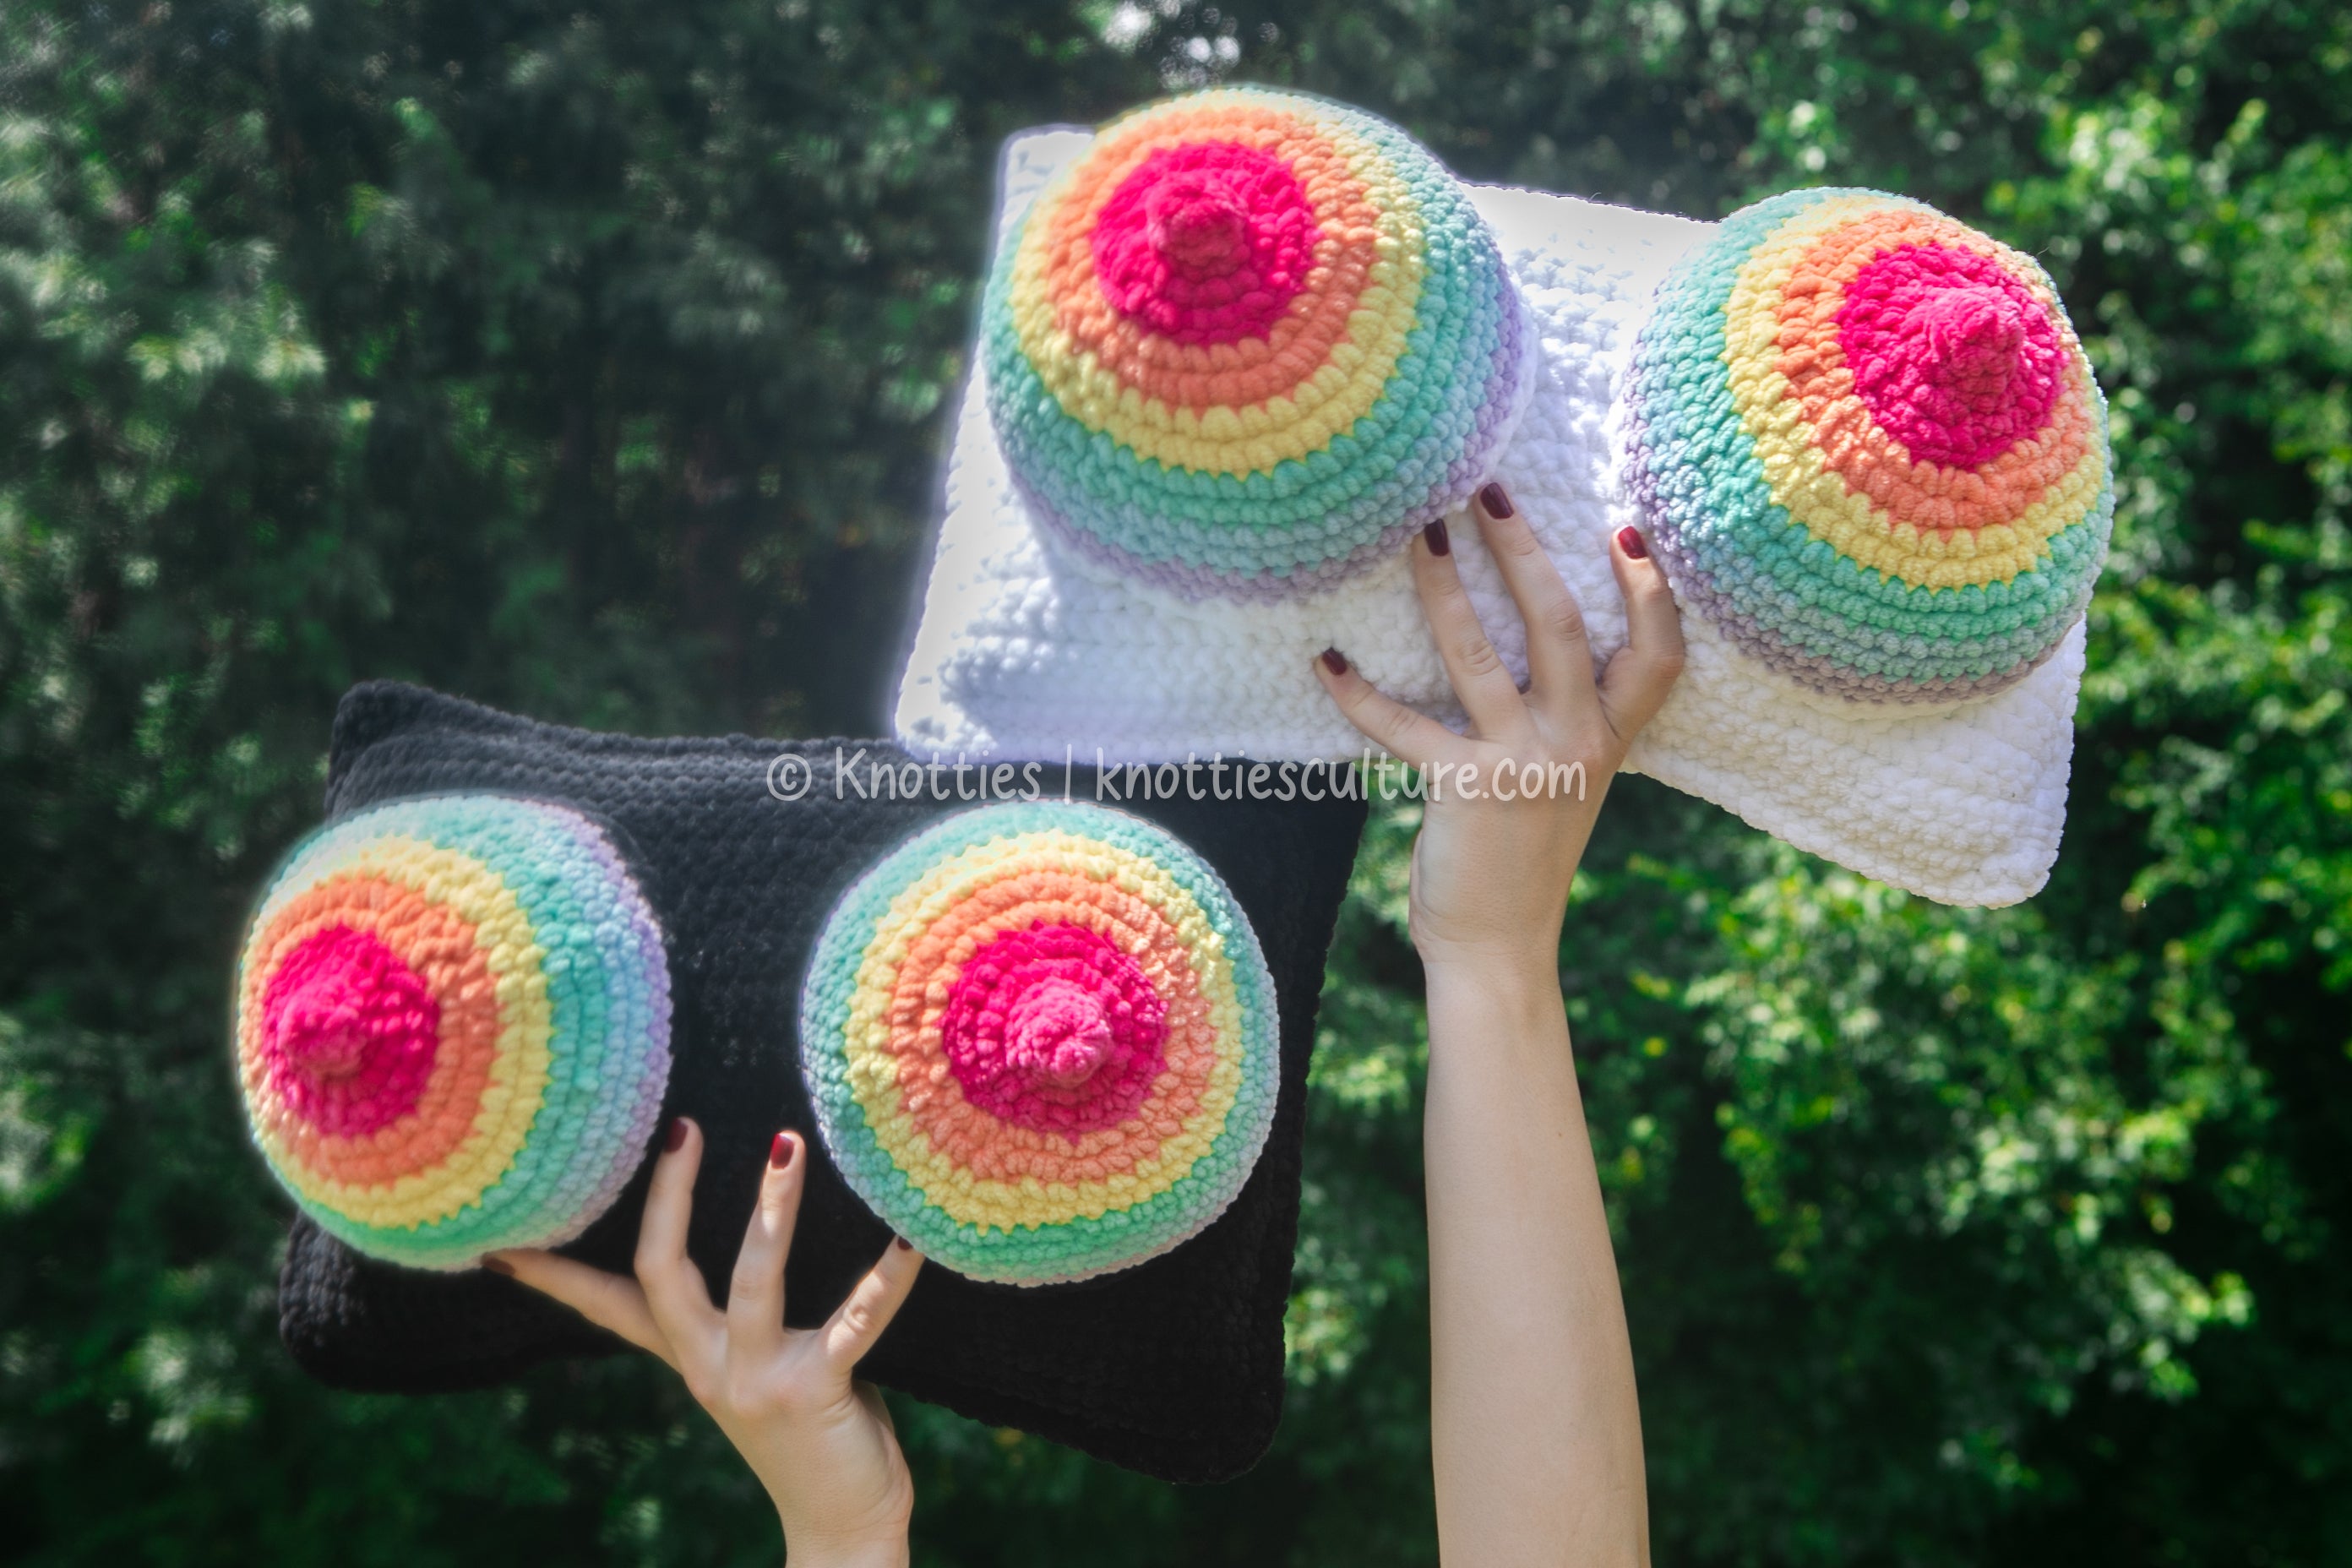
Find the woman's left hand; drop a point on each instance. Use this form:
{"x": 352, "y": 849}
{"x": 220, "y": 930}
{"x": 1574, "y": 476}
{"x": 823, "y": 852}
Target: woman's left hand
{"x": 819, "y": 1441}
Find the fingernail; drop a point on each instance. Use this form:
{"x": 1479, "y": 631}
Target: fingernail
{"x": 779, "y": 1152}
{"x": 904, "y": 1245}
{"x": 1435, "y": 537}
{"x": 1629, "y": 540}
{"x": 498, "y": 1266}
{"x": 1335, "y": 661}
{"x": 1497, "y": 501}
{"x": 674, "y": 1139}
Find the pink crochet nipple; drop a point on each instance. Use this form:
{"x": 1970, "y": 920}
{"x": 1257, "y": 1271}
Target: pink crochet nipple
{"x": 1951, "y": 354}
{"x": 1054, "y": 1028}
{"x": 349, "y": 1033}
{"x": 1198, "y": 226}
{"x": 321, "y": 1035}
{"x": 1205, "y": 244}
{"x": 1057, "y": 1033}
{"x": 1973, "y": 336}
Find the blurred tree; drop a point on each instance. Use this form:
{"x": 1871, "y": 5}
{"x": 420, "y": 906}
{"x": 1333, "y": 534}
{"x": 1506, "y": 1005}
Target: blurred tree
{"x": 590, "y": 362}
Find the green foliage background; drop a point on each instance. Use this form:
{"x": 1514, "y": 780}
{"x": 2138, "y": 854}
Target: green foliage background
{"x": 590, "y": 362}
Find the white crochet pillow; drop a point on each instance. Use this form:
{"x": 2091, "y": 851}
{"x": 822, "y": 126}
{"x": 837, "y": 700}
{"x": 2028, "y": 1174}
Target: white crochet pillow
{"x": 1024, "y": 652}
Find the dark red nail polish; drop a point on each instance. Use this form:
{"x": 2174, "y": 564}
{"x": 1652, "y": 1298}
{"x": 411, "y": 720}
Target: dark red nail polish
{"x": 1335, "y": 661}
{"x": 904, "y": 1245}
{"x": 1629, "y": 540}
{"x": 779, "y": 1152}
{"x": 1496, "y": 501}
{"x": 498, "y": 1266}
{"x": 1435, "y": 536}
{"x": 674, "y": 1139}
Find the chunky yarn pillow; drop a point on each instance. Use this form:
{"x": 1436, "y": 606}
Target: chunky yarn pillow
{"x": 1870, "y": 448}
{"x": 1249, "y": 343}
{"x": 1851, "y": 686}
{"x": 453, "y": 1026}
{"x": 1042, "y": 1042}
{"x": 741, "y": 849}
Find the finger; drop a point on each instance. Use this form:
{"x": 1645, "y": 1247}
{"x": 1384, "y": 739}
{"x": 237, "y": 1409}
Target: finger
{"x": 674, "y": 1287}
{"x": 755, "y": 1296}
{"x": 1408, "y": 736}
{"x": 1639, "y": 674}
{"x": 1481, "y": 680}
{"x": 859, "y": 1322}
{"x": 1559, "y": 659}
{"x": 612, "y": 1301}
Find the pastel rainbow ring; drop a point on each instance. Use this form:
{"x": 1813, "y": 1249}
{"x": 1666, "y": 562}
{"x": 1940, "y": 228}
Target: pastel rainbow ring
{"x": 452, "y": 1026}
{"x": 1249, "y": 343}
{"x": 1871, "y": 449}
{"x": 1042, "y": 1042}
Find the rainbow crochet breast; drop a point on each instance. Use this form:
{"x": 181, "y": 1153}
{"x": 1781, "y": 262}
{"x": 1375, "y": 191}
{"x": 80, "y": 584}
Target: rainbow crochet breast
{"x": 1870, "y": 448}
{"x": 1249, "y": 343}
{"x": 1040, "y": 1041}
{"x": 453, "y": 1026}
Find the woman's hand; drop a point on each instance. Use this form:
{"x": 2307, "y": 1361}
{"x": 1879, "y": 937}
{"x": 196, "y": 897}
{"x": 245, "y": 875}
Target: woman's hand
{"x": 821, "y": 1442}
{"x": 1535, "y": 1427}
{"x": 1491, "y": 874}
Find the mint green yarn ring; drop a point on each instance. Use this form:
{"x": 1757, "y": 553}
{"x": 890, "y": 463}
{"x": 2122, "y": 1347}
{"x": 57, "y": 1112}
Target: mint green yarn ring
{"x": 1095, "y": 1065}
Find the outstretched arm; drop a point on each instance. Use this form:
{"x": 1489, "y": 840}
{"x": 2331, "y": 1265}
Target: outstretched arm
{"x": 1535, "y": 1429}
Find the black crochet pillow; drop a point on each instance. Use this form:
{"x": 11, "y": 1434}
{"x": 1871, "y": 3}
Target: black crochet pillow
{"x": 1172, "y": 1368}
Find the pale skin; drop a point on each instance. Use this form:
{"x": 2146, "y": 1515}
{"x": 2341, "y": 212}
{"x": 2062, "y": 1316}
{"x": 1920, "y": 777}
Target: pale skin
{"x": 1535, "y": 1431}
{"x": 1535, "y": 1428}
{"x": 819, "y": 1440}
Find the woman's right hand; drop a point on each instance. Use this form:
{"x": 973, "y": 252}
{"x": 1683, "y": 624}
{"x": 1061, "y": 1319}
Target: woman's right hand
{"x": 1508, "y": 807}
{"x": 821, "y": 1442}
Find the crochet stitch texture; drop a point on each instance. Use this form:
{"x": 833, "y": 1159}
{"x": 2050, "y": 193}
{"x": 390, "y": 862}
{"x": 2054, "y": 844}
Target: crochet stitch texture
{"x": 1870, "y": 448}
{"x": 1249, "y": 343}
{"x": 1019, "y": 653}
{"x": 1041, "y": 1042}
{"x": 453, "y": 1028}
{"x": 1172, "y": 1367}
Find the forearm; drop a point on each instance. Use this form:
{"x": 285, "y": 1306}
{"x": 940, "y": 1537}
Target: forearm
{"x": 1534, "y": 1423}
{"x": 1536, "y": 1434}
